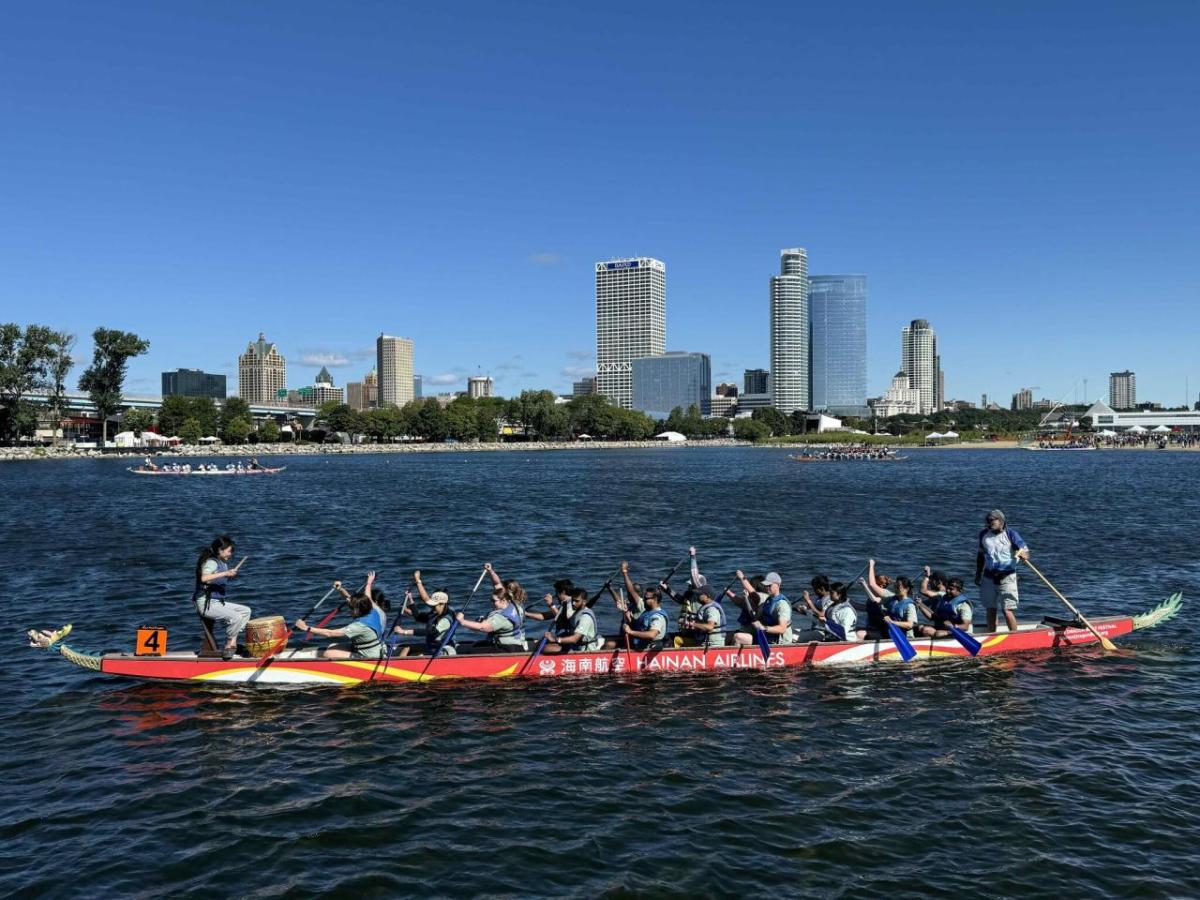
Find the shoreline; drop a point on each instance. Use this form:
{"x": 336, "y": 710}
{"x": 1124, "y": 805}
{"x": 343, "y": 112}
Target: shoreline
{"x": 22, "y": 454}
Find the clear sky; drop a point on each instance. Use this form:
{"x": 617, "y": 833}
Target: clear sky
{"x": 1023, "y": 175}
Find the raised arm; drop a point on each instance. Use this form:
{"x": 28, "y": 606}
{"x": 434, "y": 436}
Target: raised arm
{"x": 370, "y": 583}
{"x": 695, "y": 567}
{"x": 421, "y": 592}
{"x": 629, "y": 588}
{"x": 873, "y": 587}
{"x": 497, "y": 581}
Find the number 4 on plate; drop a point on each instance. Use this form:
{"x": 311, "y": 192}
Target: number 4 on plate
{"x": 151, "y": 641}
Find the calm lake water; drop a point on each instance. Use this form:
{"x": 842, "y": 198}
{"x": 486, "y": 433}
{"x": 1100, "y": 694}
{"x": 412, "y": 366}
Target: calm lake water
{"x": 1070, "y": 774}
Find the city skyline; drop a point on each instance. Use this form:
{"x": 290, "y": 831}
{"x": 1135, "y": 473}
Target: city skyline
{"x": 139, "y": 212}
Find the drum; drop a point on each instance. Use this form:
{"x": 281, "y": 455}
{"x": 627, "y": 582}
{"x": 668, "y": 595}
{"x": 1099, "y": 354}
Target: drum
{"x": 266, "y": 634}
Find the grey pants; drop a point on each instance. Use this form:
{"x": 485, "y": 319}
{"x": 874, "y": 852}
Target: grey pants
{"x": 232, "y": 616}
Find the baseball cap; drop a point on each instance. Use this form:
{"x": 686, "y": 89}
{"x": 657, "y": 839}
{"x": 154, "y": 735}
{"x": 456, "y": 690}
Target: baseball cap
{"x": 772, "y": 578}
{"x": 437, "y": 598}
{"x": 708, "y": 591}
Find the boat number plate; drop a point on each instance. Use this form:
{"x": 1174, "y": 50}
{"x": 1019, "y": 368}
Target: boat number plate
{"x": 151, "y": 641}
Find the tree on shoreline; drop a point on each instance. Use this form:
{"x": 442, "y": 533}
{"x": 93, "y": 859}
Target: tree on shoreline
{"x": 25, "y": 359}
{"x": 104, "y": 379}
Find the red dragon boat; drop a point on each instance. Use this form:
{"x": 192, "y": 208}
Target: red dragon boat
{"x": 303, "y": 667}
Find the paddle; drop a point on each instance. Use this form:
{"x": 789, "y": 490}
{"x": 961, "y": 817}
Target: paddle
{"x": 900, "y": 639}
{"x": 608, "y": 581}
{"x": 965, "y": 638}
{"x": 453, "y": 627}
{"x": 282, "y": 642}
{"x": 534, "y": 656}
{"x": 1104, "y": 642}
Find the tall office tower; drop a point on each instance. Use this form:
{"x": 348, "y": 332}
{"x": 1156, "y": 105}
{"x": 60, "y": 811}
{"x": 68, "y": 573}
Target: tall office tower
{"x": 193, "y": 383}
{"x": 756, "y": 381}
{"x": 262, "y": 372}
{"x": 789, "y": 333}
{"x": 1022, "y": 400}
{"x": 837, "y": 307}
{"x": 631, "y": 321}
{"x": 919, "y": 360}
{"x": 1122, "y": 390}
{"x": 418, "y": 387}
{"x": 363, "y": 394}
{"x": 394, "y": 369}
{"x": 585, "y": 387}
{"x": 662, "y": 383}
{"x": 479, "y": 386}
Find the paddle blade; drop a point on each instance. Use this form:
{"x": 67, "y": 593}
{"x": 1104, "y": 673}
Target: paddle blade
{"x": 763, "y": 644}
{"x": 900, "y": 639}
{"x": 967, "y": 640}
{"x": 536, "y": 653}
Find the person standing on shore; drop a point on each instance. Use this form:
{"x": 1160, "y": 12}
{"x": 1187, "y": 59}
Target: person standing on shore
{"x": 213, "y": 573}
{"x": 996, "y": 568}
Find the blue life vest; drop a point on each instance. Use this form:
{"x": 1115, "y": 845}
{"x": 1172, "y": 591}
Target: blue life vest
{"x": 518, "y": 633}
{"x": 374, "y": 621}
{"x": 645, "y": 622}
{"x": 213, "y": 590}
{"x": 946, "y": 611}
{"x": 769, "y": 614}
{"x": 898, "y": 608}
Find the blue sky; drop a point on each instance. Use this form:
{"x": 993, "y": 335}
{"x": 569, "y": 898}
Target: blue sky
{"x": 1023, "y": 175}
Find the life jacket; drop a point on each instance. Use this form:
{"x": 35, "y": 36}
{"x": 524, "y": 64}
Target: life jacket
{"x": 831, "y": 620}
{"x": 645, "y": 622}
{"x": 575, "y": 619}
{"x": 213, "y": 590}
{"x": 946, "y": 610}
{"x": 374, "y": 621}
{"x": 898, "y": 608}
{"x": 432, "y": 638}
{"x": 518, "y": 628}
{"x": 707, "y": 637}
{"x": 768, "y": 614}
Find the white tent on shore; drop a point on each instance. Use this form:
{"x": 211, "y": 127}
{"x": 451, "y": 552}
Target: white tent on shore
{"x": 1137, "y": 429}
{"x": 1107, "y": 433}
{"x": 1161, "y": 429}
{"x": 934, "y": 436}
{"x": 672, "y": 437}
{"x": 209, "y": 439}
{"x": 950, "y": 434}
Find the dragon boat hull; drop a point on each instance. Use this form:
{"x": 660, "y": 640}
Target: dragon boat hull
{"x": 194, "y": 472}
{"x": 302, "y": 667}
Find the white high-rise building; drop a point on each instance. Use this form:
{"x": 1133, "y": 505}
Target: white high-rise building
{"x": 631, "y": 322}
{"x": 394, "y": 369}
{"x": 1122, "y": 390}
{"x": 919, "y": 360}
{"x": 790, "y": 369}
{"x": 262, "y": 372}
{"x": 479, "y": 386}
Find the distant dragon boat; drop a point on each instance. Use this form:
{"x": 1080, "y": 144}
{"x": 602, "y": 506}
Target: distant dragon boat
{"x": 206, "y": 472}
{"x": 303, "y": 667}
{"x": 849, "y": 457}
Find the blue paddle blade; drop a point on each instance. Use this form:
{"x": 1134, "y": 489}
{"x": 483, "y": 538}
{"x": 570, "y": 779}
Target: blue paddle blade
{"x": 536, "y": 653}
{"x": 900, "y": 639}
{"x": 967, "y": 640}
{"x": 763, "y": 644}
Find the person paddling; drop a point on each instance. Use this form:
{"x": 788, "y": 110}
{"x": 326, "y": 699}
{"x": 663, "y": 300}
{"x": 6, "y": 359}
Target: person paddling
{"x": 213, "y": 574}
{"x": 649, "y": 630}
{"x": 952, "y": 608}
{"x": 774, "y": 615}
{"x": 840, "y": 617}
{"x": 437, "y": 620}
{"x": 708, "y": 626}
{"x": 363, "y": 637}
{"x": 503, "y": 625}
{"x": 516, "y": 594}
{"x": 582, "y": 634}
{"x": 901, "y": 610}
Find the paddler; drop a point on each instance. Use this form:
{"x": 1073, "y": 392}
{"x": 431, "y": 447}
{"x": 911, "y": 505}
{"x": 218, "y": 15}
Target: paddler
{"x": 149, "y": 466}
{"x": 996, "y": 568}
{"x": 708, "y": 626}
{"x": 840, "y": 617}
{"x": 774, "y": 614}
{"x": 213, "y": 573}
{"x": 516, "y": 594}
{"x": 503, "y": 625}
{"x": 902, "y": 609}
{"x": 649, "y": 630}
{"x": 437, "y": 619}
{"x": 583, "y": 633}
{"x": 364, "y": 636}
{"x": 950, "y": 609}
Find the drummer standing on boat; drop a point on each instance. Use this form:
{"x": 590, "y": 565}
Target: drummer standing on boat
{"x": 996, "y": 568}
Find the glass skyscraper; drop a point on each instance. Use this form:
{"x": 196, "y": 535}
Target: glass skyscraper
{"x": 193, "y": 383}
{"x": 837, "y": 307}
{"x": 661, "y": 383}
{"x": 789, "y": 333}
